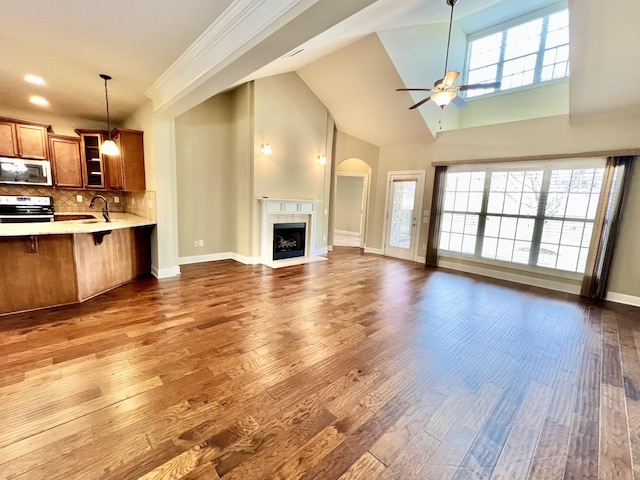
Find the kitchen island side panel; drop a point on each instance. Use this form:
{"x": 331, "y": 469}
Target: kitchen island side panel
{"x": 106, "y": 265}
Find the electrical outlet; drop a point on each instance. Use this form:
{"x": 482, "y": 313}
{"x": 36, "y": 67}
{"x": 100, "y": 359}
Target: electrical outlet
{"x": 324, "y": 238}
{"x": 116, "y": 199}
{"x": 201, "y": 243}
{"x": 133, "y": 202}
{"x": 195, "y": 243}
{"x": 79, "y": 198}
{"x": 150, "y": 204}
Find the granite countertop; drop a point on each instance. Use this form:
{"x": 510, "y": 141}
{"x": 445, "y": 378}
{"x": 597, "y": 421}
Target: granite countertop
{"x": 97, "y": 224}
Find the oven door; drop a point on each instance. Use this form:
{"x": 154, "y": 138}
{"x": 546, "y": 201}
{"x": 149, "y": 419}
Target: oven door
{"x": 25, "y": 172}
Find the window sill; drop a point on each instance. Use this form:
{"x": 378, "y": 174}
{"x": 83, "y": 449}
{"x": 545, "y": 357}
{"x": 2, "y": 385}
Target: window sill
{"x": 548, "y": 272}
{"x": 524, "y": 88}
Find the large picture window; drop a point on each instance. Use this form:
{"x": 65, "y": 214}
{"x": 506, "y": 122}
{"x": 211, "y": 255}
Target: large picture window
{"x": 532, "y": 51}
{"x": 539, "y": 217}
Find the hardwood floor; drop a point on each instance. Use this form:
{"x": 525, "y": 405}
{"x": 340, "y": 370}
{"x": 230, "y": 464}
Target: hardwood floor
{"x": 361, "y": 367}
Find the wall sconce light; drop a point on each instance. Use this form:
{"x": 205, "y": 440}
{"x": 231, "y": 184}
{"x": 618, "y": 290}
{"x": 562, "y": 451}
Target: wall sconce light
{"x": 265, "y": 149}
{"x": 321, "y": 160}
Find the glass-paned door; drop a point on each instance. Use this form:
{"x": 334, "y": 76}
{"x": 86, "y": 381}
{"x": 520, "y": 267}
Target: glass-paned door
{"x": 404, "y": 197}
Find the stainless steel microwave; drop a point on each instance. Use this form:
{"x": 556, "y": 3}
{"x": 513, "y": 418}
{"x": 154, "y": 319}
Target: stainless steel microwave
{"x": 25, "y": 172}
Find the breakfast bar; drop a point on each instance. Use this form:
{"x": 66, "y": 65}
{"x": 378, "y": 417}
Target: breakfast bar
{"x": 71, "y": 259}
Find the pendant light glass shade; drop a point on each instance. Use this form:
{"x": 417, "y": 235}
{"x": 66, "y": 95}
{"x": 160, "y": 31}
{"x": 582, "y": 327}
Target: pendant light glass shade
{"x": 108, "y": 147}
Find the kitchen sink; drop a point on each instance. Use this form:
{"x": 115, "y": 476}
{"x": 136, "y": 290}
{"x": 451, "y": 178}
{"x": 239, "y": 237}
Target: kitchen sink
{"x": 79, "y": 216}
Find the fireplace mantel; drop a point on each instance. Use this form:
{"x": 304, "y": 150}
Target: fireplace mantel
{"x": 277, "y": 210}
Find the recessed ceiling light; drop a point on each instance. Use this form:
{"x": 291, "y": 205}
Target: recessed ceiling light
{"x": 41, "y": 101}
{"x": 35, "y": 79}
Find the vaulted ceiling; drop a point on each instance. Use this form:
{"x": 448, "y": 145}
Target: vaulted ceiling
{"x": 351, "y": 54}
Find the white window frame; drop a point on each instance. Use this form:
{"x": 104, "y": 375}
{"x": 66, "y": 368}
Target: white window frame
{"x": 574, "y": 163}
{"x": 550, "y": 10}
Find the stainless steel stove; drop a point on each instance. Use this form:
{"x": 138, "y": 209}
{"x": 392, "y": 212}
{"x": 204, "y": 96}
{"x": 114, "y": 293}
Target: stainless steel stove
{"x": 24, "y": 209}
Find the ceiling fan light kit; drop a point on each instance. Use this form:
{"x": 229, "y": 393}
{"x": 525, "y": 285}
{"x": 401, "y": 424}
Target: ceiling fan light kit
{"x": 445, "y": 90}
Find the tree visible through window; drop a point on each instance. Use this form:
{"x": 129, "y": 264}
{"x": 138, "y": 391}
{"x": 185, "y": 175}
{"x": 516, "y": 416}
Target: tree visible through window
{"x": 539, "y": 217}
{"x": 531, "y": 52}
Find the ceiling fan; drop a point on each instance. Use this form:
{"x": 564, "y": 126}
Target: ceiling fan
{"x": 445, "y": 90}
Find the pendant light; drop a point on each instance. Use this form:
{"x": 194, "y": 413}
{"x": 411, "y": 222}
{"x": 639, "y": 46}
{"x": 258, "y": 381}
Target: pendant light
{"x": 108, "y": 147}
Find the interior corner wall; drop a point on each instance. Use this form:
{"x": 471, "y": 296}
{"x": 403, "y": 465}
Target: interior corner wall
{"x": 293, "y": 121}
{"x": 242, "y": 153}
{"x": 205, "y": 178}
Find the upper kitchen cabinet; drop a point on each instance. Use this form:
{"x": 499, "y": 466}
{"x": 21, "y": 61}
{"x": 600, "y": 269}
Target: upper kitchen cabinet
{"x": 126, "y": 171}
{"x": 23, "y": 139}
{"x": 91, "y": 159}
{"x": 66, "y": 162}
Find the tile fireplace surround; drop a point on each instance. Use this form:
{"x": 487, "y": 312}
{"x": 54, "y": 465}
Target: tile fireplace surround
{"x": 288, "y": 211}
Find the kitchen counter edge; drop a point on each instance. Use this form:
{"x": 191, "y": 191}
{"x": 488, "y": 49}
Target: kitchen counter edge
{"x": 119, "y": 220}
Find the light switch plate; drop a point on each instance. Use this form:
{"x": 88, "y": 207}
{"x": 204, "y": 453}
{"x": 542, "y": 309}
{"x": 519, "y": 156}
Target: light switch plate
{"x": 79, "y": 198}
{"x": 116, "y": 199}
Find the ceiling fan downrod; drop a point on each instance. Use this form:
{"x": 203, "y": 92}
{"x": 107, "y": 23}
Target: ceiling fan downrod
{"x": 452, "y": 4}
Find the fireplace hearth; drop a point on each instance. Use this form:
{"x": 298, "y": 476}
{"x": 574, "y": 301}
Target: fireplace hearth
{"x": 289, "y": 240}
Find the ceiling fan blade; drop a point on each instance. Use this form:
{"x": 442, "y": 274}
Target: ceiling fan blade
{"x": 458, "y": 102}
{"x": 413, "y": 89}
{"x": 476, "y": 86}
{"x": 450, "y": 78}
{"x": 420, "y": 103}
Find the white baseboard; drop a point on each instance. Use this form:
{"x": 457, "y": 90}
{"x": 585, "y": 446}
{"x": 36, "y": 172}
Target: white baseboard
{"x": 512, "y": 277}
{"x": 347, "y": 232}
{"x": 245, "y": 260}
{"x": 216, "y": 257}
{"x": 211, "y": 257}
{"x": 330, "y": 248}
{"x": 375, "y": 251}
{"x": 623, "y": 298}
{"x": 160, "y": 273}
{"x": 421, "y": 260}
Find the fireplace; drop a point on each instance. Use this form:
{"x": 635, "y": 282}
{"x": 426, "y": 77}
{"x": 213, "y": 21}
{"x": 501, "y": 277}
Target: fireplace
{"x": 288, "y": 240}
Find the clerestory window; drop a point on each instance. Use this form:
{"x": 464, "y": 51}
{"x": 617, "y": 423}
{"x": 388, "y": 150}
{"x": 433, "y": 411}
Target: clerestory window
{"x": 529, "y": 52}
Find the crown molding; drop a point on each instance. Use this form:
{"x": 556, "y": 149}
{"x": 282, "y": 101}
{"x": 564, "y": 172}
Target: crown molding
{"x": 238, "y": 24}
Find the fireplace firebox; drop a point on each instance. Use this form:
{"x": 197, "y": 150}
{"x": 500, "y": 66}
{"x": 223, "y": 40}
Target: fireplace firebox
{"x": 289, "y": 240}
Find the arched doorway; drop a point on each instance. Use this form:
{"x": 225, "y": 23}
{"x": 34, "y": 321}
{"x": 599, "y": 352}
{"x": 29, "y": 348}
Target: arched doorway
{"x": 351, "y": 204}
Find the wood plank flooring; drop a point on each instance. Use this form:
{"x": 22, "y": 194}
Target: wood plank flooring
{"x": 361, "y": 367}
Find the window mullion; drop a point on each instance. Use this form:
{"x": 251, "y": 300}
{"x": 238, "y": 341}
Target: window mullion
{"x": 500, "y": 67}
{"x": 537, "y": 74}
{"x": 539, "y": 223}
{"x": 482, "y": 217}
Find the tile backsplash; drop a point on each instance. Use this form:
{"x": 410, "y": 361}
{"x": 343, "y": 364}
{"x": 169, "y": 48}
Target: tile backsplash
{"x": 142, "y": 204}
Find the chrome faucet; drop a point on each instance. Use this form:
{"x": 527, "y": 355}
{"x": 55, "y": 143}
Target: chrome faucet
{"x": 105, "y": 210}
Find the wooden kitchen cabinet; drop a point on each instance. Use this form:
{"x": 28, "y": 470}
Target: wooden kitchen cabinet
{"x": 66, "y": 161}
{"x": 93, "y": 163}
{"x": 23, "y": 139}
{"x": 126, "y": 171}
